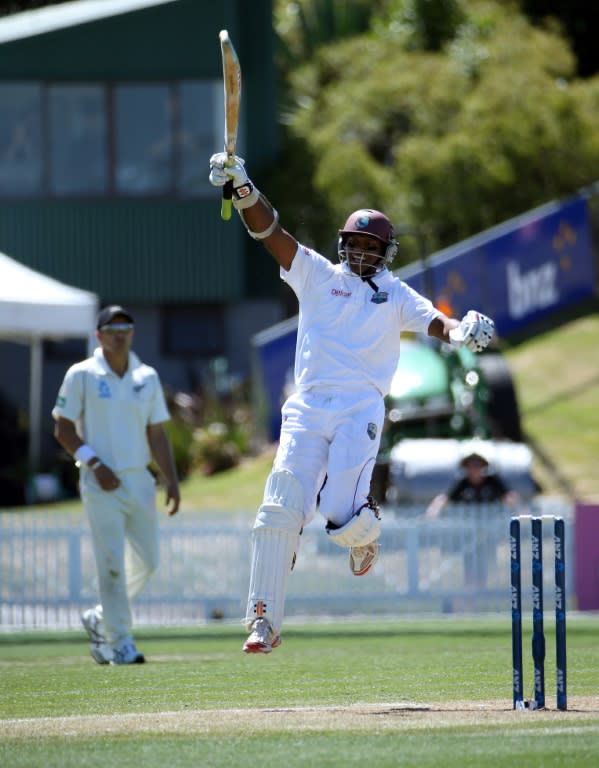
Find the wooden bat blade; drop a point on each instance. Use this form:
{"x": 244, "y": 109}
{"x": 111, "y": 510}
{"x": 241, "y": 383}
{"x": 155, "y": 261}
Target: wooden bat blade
{"x": 232, "y": 96}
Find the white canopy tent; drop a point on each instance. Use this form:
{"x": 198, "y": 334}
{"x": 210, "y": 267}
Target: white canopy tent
{"x": 34, "y": 307}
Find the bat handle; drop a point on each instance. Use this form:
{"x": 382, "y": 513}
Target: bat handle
{"x": 225, "y": 207}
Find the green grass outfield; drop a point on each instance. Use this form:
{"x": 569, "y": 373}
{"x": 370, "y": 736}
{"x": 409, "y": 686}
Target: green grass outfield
{"x": 386, "y": 693}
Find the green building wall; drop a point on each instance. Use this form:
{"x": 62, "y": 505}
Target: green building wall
{"x": 149, "y": 250}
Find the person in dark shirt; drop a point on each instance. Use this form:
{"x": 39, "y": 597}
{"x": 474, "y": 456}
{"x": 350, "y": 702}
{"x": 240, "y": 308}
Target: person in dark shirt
{"x": 477, "y": 486}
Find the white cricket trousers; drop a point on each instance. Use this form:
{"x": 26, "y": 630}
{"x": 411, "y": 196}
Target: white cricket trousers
{"x": 124, "y": 528}
{"x": 334, "y": 433}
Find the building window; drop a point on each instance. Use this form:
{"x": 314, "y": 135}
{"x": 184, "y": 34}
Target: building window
{"x": 200, "y": 134}
{"x": 20, "y": 139}
{"x": 128, "y": 139}
{"x": 197, "y": 331}
{"x": 78, "y": 140}
{"x": 144, "y": 120}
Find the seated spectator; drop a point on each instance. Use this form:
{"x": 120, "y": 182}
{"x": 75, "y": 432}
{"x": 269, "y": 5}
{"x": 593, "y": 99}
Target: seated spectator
{"x": 477, "y": 486}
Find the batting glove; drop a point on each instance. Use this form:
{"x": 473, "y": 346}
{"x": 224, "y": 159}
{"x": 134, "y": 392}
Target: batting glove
{"x": 474, "y": 332}
{"x": 223, "y": 169}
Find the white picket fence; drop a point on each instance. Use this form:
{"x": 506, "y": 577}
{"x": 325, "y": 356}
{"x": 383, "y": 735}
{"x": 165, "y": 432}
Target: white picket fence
{"x": 458, "y": 563}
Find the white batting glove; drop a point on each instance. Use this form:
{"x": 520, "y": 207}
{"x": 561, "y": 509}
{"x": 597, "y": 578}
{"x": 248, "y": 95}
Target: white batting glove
{"x": 474, "y": 332}
{"x": 223, "y": 169}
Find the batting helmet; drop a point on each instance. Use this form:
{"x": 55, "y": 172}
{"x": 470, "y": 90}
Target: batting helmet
{"x": 367, "y": 221}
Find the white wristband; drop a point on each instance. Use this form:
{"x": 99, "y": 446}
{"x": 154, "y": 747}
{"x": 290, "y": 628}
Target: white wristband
{"x": 84, "y": 454}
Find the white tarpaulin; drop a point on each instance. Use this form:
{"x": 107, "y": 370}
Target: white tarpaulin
{"x": 34, "y": 307}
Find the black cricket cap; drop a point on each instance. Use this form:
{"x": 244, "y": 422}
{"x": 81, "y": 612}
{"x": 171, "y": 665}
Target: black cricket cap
{"x": 107, "y": 315}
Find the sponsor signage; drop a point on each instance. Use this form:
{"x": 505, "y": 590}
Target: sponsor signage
{"x": 519, "y": 271}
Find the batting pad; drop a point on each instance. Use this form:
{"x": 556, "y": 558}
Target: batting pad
{"x": 361, "y": 529}
{"x": 275, "y": 538}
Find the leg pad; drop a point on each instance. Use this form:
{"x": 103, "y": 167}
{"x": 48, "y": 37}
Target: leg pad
{"x": 274, "y": 544}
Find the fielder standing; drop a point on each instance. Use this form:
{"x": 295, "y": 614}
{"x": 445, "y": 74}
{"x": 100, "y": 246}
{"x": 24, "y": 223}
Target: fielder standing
{"x": 351, "y": 315}
{"x": 109, "y": 414}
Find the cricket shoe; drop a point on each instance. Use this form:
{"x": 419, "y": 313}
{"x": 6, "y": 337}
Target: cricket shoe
{"x": 102, "y": 653}
{"x": 98, "y": 647}
{"x": 127, "y": 653}
{"x": 362, "y": 559}
{"x": 261, "y": 639}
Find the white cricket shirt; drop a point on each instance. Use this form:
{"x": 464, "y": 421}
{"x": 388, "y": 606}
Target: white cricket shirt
{"x": 111, "y": 412}
{"x": 348, "y": 335}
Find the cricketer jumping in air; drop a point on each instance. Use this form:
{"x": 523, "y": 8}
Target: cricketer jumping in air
{"x": 351, "y": 316}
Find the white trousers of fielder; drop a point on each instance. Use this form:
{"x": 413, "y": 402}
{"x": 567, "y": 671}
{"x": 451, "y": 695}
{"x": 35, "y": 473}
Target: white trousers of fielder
{"x": 124, "y": 529}
{"x": 324, "y": 432}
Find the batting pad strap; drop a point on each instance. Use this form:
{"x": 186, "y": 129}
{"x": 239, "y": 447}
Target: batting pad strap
{"x": 363, "y": 528}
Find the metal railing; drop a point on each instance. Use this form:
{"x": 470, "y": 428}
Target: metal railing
{"x": 457, "y": 563}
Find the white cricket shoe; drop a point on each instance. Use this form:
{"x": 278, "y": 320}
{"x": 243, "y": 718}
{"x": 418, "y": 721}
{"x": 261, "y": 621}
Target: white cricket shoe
{"x": 361, "y": 559}
{"x": 127, "y": 653}
{"x": 261, "y": 639}
{"x": 98, "y": 647}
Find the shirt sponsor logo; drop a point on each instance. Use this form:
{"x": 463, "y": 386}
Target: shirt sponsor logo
{"x": 104, "y": 390}
{"x": 340, "y": 292}
{"x": 380, "y": 297}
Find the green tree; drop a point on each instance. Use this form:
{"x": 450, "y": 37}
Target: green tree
{"x": 304, "y": 26}
{"x": 580, "y": 19}
{"x": 448, "y": 133}
{"x": 518, "y": 140}
{"x": 421, "y": 24}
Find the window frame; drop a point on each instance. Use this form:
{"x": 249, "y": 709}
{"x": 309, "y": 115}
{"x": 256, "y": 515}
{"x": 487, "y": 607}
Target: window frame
{"x": 179, "y": 186}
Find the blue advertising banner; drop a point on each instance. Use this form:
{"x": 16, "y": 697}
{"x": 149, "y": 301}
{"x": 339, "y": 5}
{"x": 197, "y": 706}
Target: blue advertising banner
{"x": 519, "y": 271}
{"x": 544, "y": 265}
{"x": 417, "y": 277}
{"x": 274, "y": 351}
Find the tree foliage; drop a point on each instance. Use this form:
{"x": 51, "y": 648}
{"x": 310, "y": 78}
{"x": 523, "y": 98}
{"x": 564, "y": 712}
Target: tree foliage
{"x": 421, "y": 24}
{"x": 579, "y": 19}
{"x": 449, "y": 124}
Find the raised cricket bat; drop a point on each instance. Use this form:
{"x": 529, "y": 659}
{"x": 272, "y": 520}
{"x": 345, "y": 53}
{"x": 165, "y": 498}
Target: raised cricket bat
{"x": 232, "y": 90}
